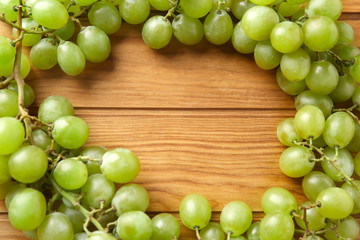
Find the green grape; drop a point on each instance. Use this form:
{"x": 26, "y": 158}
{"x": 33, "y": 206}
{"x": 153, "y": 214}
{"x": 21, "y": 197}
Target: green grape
{"x": 295, "y": 161}
{"x": 212, "y": 231}
{"x": 56, "y": 226}
{"x": 4, "y": 189}
{"x": 241, "y": 42}
{"x": 195, "y": 211}
{"x": 43, "y": 55}
{"x": 346, "y": 32}
{"x": 120, "y": 165}
{"x": 356, "y": 97}
{"x": 4, "y": 169}
{"x": 258, "y": 22}
{"x": 339, "y": 130}
{"x": 14, "y": 189}
{"x": 218, "y": 27}
{"x": 94, "y": 152}
{"x": 262, "y": 2}
{"x": 287, "y": 9}
{"x": 100, "y": 235}
{"x": 238, "y": 238}
{"x": 324, "y": 103}
{"x": 157, "y": 32}
{"x": 105, "y": 16}
{"x": 297, "y": 1}
{"x": 81, "y": 236}
{"x": 336, "y": 203}
{"x": 32, "y": 235}
{"x": 196, "y": 8}
{"x": 53, "y": 108}
{"x": 187, "y": 30}
{"x": 286, "y": 37}
{"x": 7, "y": 51}
{"x": 344, "y": 161}
{"x": 314, "y": 219}
{"x": 354, "y": 193}
{"x": 8, "y": 103}
{"x": 27, "y": 209}
{"x": 278, "y": 199}
{"x": 276, "y": 226}
{"x": 12, "y": 135}
{"x": 266, "y": 57}
{"x": 165, "y": 226}
{"x": 348, "y": 228}
{"x": 286, "y": 132}
{"x": 313, "y": 238}
{"x": 28, "y": 164}
{"x": 236, "y": 218}
{"x": 319, "y": 142}
{"x": 354, "y": 145}
{"x": 43, "y": 141}
{"x": 296, "y": 65}
{"x": 97, "y": 188}
{"x": 239, "y": 7}
{"x": 315, "y": 182}
{"x": 346, "y": 50}
{"x": 7, "y": 8}
{"x": 253, "y": 232}
{"x": 130, "y": 197}
{"x": 320, "y": 33}
{"x": 25, "y": 67}
{"x": 134, "y": 11}
{"x": 70, "y": 132}
{"x": 29, "y": 39}
{"x": 70, "y": 174}
{"x": 134, "y": 225}
{"x": 344, "y": 90}
{"x": 328, "y": 8}
{"x": 162, "y": 5}
{"x": 71, "y": 58}
{"x": 84, "y": 2}
{"x": 223, "y": 6}
{"x": 289, "y": 87}
{"x": 355, "y": 69}
{"x": 76, "y": 218}
{"x": 50, "y": 14}
{"x": 29, "y": 94}
{"x": 309, "y": 122}
{"x": 67, "y": 31}
{"x": 357, "y": 164}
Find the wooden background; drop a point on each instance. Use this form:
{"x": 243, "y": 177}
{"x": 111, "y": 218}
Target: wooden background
{"x": 201, "y": 119}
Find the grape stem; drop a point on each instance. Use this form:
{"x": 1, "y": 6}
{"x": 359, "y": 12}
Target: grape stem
{"x": 343, "y": 62}
{"x": 197, "y": 231}
{"x": 18, "y": 26}
{"x": 229, "y": 235}
{"x": 170, "y": 13}
{"x": 349, "y": 111}
{"x": 6, "y": 82}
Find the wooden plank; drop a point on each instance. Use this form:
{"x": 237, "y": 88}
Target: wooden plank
{"x": 351, "y": 6}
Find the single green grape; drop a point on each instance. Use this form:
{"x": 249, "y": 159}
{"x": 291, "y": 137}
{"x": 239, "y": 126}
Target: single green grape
{"x": 43, "y": 55}
{"x": 266, "y": 57}
{"x": 94, "y": 152}
{"x": 328, "y": 8}
{"x": 134, "y": 11}
{"x": 7, "y": 51}
{"x": 286, "y": 132}
{"x": 287, "y": 9}
{"x": 348, "y": 228}
{"x": 84, "y": 2}
{"x": 286, "y": 37}
{"x": 315, "y": 182}
{"x": 76, "y": 218}
{"x": 239, "y": 7}
{"x": 196, "y": 8}
{"x": 336, "y": 203}
{"x": 309, "y": 122}
{"x": 253, "y": 232}
{"x": 14, "y": 189}
{"x": 165, "y": 226}
{"x": 71, "y": 58}
{"x": 157, "y": 32}
{"x": 236, "y": 218}
{"x": 345, "y": 51}
{"x": 67, "y": 31}
{"x": 162, "y": 5}
{"x": 97, "y": 188}
{"x": 346, "y": 32}
{"x": 187, "y": 30}
{"x": 344, "y": 89}
{"x": 29, "y": 94}
{"x": 296, "y": 162}
{"x": 277, "y": 226}
{"x": 344, "y": 161}
{"x": 323, "y": 102}
{"x": 218, "y": 27}
{"x": 53, "y": 108}
{"x": 262, "y": 2}
{"x": 296, "y": 65}
{"x": 100, "y": 235}
{"x": 43, "y": 141}
{"x": 134, "y": 225}
{"x": 241, "y": 42}
{"x": 105, "y": 16}
{"x": 278, "y": 199}
{"x": 289, "y": 87}
{"x": 25, "y": 67}
{"x": 70, "y": 174}
{"x": 315, "y": 220}
{"x": 8, "y": 103}
{"x": 212, "y": 231}
{"x": 12, "y": 135}
{"x": 56, "y": 226}
{"x": 7, "y": 8}
{"x": 354, "y": 193}
{"x": 50, "y": 14}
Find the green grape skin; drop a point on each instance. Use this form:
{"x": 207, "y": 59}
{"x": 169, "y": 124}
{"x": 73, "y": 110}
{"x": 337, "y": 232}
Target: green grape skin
{"x": 84, "y": 2}
{"x": 328, "y": 8}
{"x": 4, "y": 169}
{"x": 287, "y": 9}
{"x": 238, "y": 238}
{"x": 29, "y": 94}
{"x": 336, "y": 203}
{"x": 315, "y": 182}
{"x": 56, "y": 226}
{"x": 70, "y": 132}
{"x": 236, "y": 217}
{"x": 53, "y": 108}
{"x": 348, "y": 228}
{"x": 32, "y": 235}
{"x": 357, "y": 164}
{"x": 224, "y": 6}
{"x": 94, "y": 152}
{"x": 157, "y": 32}
{"x": 4, "y": 189}
{"x": 309, "y": 122}
{"x": 253, "y": 231}
{"x": 50, "y": 14}
{"x": 130, "y": 197}
{"x": 327, "y": 72}
{"x": 29, "y": 39}
{"x": 14, "y": 189}
{"x": 276, "y": 226}
{"x": 320, "y": 33}
{"x": 354, "y": 145}
{"x": 67, "y": 31}
{"x": 7, "y": 51}
{"x": 286, "y": 132}
{"x": 162, "y": 5}
{"x": 345, "y": 50}
{"x": 134, "y": 11}
{"x": 315, "y": 220}
{"x": 355, "y": 69}
{"x": 344, "y": 161}
{"x": 218, "y": 27}
{"x": 120, "y": 165}
{"x": 76, "y": 218}
{"x": 196, "y": 9}
{"x": 105, "y": 16}
{"x": 43, "y": 141}
{"x": 241, "y": 42}
{"x": 286, "y": 37}
{"x": 344, "y": 90}
{"x": 289, "y": 87}
{"x": 25, "y": 67}
{"x": 43, "y": 55}
{"x": 313, "y": 238}
{"x": 134, "y": 225}
{"x": 27, "y": 209}
{"x": 12, "y": 135}
{"x": 97, "y": 188}
{"x": 28, "y": 164}
{"x": 295, "y": 161}
{"x": 258, "y": 22}
{"x": 7, "y": 8}
{"x": 99, "y": 235}
{"x": 8, "y": 103}
{"x": 266, "y": 57}
{"x": 346, "y": 32}
{"x": 339, "y": 130}
{"x": 71, "y": 58}
{"x": 212, "y": 231}
{"x": 354, "y": 193}
{"x": 324, "y": 103}
{"x": 262, "y": 2}
{"x": 319, "y": 142}
{"x": 239, "y": 7}
{"x": 296, "y": 65}
{"x": 165, "y": 226}
{"x": 80, "y": 236}
{"x": 70, "y": 174}
{"x": 187, "y": 30}
{"x": 356, "y": 97}
{"x": 195, "y": 211}
{"x": 278, "y": 199}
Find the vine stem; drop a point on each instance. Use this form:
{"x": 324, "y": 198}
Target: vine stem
{"x": 6, "y": 82}
{"x": 19, "y": 26}
{"x": 197, "y": 230}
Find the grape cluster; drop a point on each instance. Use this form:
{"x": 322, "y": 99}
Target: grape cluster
{"x": 56, "y": 189}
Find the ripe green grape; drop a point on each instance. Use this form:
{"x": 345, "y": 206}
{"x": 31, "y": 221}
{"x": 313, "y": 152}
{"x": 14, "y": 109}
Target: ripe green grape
{"x": 346, "y": 32}
{"x": 43, "y": 55}
{"x": 27, "y": 209}
{"x": 76, "y": 218}
{"x": 315, "y": 182}
{"x": 105, "y": 16}
{"x": 262, "y": 2}
{"x": 196, "y": 8}
{"x": 157, "y": 32}
{"x": 315, "y": 220}
{"x": 286, "y": 37}
{"x": 187, "y": 30}
{"x": 14, "y": 189}
{"x": 348, "y": 228}
{"x": 354, "y": 145}
{"x": 212, "y": 231}
{"x": 43, "y": 141}
{"x": 7, "y": 8}
{"x": 236, "y": 217}
{"x": 309, "y": 122}
{"x": 344, "y": 161}
{"x": 56, "y": 226}
{"x": 354, "y": 193}
{"x": 4, "y": 170}
{"x": 29, "y": 39}
{"x": 134, "y": 11}
{"x": 266, "y": 57}
{"x": 25, "y": 66}
{"x": 8, "y": 103}
{"x": 84, "y": 2}
{"x": 218, "y": 27}
{"x": 239, "y": 7}
{"x": 134, "y": 225}
{"x": 162, "y": 5}
{"x": 253, "y": 232}
{"x": 32, "y": 235}
{"x": 344, "y": 90}
{"x": 130, "y": 197}
{"x": 84, "y": 236}
{"x": 53, "y": 108}
{"x": 29, "y": 94}
{"x": 278, "y": 199}
{"x": 97, "y": 188}
{"x": 120, "y": 165}
{"x": 296, "y": 65}
{"x": 258, "y": 22}
{"x": 50, "y": 14}
{"x": 277, "y": 226}
{"x": 355, "y": 69}
{"x": 195, "y": 211}
{"x": 357, "y": 164}
{"x": 70, "y": 174}
{"x": 295, "y": 161}
{"x": 12, "y": 135}
{"x": 71, "y": 58}
{"x": 287, "y": 9}
{"x": 336, "y": 203}
{"x": 95, "y": 152}
{"x": 346, "y": 51}
{"x": 100, "y": 235}
{"x": 324, "y": 103}
{"x": 7, "y": 51}
{"x": 328, "y": 8}
{"x": 289, "y": 87}
{"x": 67, "y": 31}
{"x": 241, "y": 42}
{"x": 165, "y": 226}
{"x": 286, "y": 132}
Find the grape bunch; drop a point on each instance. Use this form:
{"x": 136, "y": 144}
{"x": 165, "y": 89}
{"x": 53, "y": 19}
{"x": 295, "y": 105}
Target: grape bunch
{"x": 55, "y": 188}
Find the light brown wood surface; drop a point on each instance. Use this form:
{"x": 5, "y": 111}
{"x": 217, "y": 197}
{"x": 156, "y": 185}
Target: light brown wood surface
{"x": 201, "y": 119}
